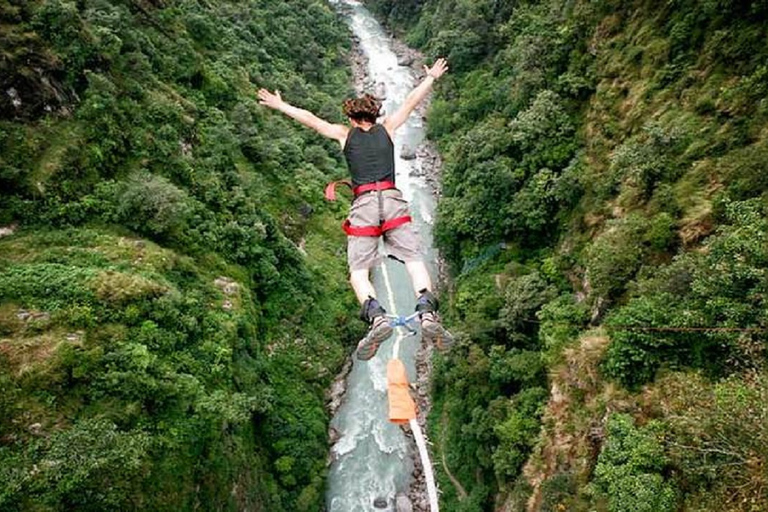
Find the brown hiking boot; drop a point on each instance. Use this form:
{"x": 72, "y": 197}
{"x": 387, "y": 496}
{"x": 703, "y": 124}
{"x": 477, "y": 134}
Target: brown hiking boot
{"x": 433, "y": 331}
{"x": 378, "y": 333}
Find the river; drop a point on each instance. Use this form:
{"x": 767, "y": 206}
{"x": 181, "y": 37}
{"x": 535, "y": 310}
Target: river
{"x": 372, "y": 460}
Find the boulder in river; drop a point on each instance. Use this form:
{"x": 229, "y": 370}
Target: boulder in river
{"x": 405, "y": 60}
{"x": 407, "y": 153}
{"x": 403, "y": 504}
{"x": 381, "y": 91}
{"x": 380, "y": 502}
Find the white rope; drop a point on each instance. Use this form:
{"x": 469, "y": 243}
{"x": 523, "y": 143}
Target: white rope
{"x": 415, "y": 428}
{"x": 428, "y": 473}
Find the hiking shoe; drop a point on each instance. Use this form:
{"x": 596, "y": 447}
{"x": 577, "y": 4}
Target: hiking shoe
{"x": 433, "y": 332}
{"x": 379, "y": 331}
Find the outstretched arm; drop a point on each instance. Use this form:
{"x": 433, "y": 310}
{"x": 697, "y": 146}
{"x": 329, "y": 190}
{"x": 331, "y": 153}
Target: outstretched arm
{"x": 305, "y": 117}
{"x": 416, "y": 96}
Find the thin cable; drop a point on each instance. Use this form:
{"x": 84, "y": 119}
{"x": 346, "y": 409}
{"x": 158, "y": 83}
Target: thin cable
{"x": 659, "y": 329}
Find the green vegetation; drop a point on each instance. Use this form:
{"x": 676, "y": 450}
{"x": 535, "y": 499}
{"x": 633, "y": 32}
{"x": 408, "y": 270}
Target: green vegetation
{"x": 630, "y": 469}
{"x": 173, "y": 304}
{"x": 604, "y": 167}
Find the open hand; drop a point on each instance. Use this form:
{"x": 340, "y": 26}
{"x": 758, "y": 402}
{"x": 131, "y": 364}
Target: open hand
{"x": 438, "y": 68}
{"x": 271, "y": 100}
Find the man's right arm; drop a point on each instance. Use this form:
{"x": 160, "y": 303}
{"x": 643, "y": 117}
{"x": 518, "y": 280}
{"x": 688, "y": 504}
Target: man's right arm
{"x": 305, "y": 117}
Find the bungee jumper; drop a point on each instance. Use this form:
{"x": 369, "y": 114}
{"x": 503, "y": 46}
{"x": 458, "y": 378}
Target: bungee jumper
{"x": 378, "y": 210}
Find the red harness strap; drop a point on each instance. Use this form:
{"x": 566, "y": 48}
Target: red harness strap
{"x": 349, "y": 229}
{"x": 376, "y": 185}
{"x": 385, "y": 226}
{"x": 330, "y": 189}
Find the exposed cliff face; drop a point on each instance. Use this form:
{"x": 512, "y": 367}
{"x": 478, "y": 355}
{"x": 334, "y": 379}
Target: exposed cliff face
{"x": 604, "y": 166}
{"x": 31, "y": 76}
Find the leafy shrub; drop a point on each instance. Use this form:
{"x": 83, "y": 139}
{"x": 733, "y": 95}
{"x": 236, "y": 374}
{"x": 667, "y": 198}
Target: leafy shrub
{"x": 518, "y": 432}
{"x": 661, "y": 235}
{"x": 635, "y": 355}
{"x": 152, "y": 205}
{"x": 630, "y": 468}
{"x": 562, "y": 319}
{"x": 614, "y": 257}
{"x": 556, "y": 492}
{"x": 642, "y": 162}
{"x": 523, "y": 297}
{"x": 522, "y": 366}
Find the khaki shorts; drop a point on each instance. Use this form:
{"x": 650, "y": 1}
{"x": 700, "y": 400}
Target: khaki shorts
{"x": 401, "y": 243}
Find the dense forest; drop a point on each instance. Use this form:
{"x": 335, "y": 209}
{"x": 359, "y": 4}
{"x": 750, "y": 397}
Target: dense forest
{"x": 604, "y": 206}
{"x": 173, "y": 295}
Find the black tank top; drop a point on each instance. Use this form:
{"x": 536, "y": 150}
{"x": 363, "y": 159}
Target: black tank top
{"x": 370, "y": 155}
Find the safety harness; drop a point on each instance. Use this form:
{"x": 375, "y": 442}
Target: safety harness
{"x": 384, "y": 225}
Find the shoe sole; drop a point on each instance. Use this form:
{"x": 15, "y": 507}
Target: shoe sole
{"x": 371, "y": 344}
{"x": 436, "y": 333}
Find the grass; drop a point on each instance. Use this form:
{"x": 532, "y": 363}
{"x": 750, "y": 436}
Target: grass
{"x": 29, "y": 354}
{"x": 62, "y": 137}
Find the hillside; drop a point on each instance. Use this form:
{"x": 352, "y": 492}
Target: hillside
{"x": 173, "y": 296}
{"x": 604, "y": 215}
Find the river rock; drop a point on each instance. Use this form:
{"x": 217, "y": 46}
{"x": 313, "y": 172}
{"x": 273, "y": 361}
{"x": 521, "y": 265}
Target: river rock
{"x": 405, "y": 60}
{"x": 335, "y": 394}
{"x": 403, "y": 504}
{"x": 407, "y": 153}
{"x": 380, "y": 502}
{"x": 333, "y": 435}
{"x": 8, "y": 230}
{"x": 381, "y": 91}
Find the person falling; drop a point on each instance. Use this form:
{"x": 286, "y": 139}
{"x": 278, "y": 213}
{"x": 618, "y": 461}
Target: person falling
{"x": 378, "y": 209}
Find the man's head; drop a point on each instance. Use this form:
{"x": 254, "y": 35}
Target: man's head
{"x": 364, "y": 109}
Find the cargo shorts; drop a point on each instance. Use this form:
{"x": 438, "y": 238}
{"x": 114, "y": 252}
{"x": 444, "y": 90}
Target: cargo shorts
{"x": 401, "y": 243}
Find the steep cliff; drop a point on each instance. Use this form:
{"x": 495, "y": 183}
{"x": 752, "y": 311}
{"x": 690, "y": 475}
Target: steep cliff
{"x": 604, "y": 213}
{"x": 173, "y": 298}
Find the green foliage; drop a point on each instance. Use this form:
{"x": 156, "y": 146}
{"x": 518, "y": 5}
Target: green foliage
{"x": 519, "y": 166}
{"x": 151, "y": 205}
{"x": 618, "y": 148}
{"x": 630, "y": 468}
{"x": 524, "y": 296}
{"x": 556, "y": 492}
{"x": 160, "y": 357}
{"x": 718, "y": 435}
{"x": 562, "y": 319}
{"x": 140, "y": 119}
{"x": 641, "y": 162}
{"x": 518, "y": 432}
{"x": 491, "y": 394}
{"x": 708, "y": 289}
{"x": 89, "y": 466}
{"x": 615, "y": 256}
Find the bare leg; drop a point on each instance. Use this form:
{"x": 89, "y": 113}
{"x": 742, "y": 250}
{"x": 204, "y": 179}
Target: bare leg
{"x": 361, "y": 284}
{"x": 419, "y": 276}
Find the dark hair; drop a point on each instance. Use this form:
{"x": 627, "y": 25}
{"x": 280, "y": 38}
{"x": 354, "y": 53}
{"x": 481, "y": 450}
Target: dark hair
{"x": 366, "y": 108}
